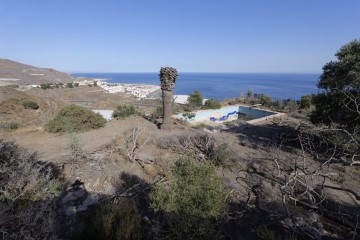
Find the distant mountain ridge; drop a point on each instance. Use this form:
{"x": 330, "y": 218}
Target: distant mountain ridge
{"x": 10, "y": 71}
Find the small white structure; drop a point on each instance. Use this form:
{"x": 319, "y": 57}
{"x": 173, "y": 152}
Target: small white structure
{"x": 183, "y": 99}
{"x": 107, "y": 114}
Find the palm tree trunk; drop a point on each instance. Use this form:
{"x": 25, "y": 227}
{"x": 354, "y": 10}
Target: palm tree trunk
{"x": 167, "y": 106}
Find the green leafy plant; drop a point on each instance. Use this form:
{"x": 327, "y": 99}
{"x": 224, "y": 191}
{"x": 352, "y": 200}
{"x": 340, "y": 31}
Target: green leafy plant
{"x": 195, "y": 99}
{"x": 219, "y": 154}
{"x": 124, "y": 111}
{"x": 30, "y": 105}
{"x": 212, "y": 104}
{"x": 45, "y": 86}
{"x": 306, "y": 101}
{"x": 73, "y": 118}
{"x": 189, "y": 115}
{"x": 115, "y": 221}
{"x": 194, "y": 202}
{"x": 158, "y": 113}
{"x": 69, "y": 85}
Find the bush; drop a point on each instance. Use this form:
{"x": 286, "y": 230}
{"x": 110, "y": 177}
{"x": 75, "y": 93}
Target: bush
{"x": 220, "y": 154}
{"x": 28, "y": 191}
{"x": 194, "y": 202}
{"x": 305, "y": 101}
{"x": 158, "y": 113}
{"x": 22, "y": 177}
{"x": 76, "y": 84}
{"x": 73, "y": 118}
{"x": 13, "y": 125}
{"x": 265, "y": 100}
{"x": 189, "y": 115}
{"x": 69, "y": 85}
{"x": 212, "y": 104}
{"x": 115, "y": 221}
{"x": 124, "y": 111}
{"x": 95, "y": 83}
{"x": 45, "y": 86}
{"x": 30, "y": 105}
{"x": 195, "y": 99}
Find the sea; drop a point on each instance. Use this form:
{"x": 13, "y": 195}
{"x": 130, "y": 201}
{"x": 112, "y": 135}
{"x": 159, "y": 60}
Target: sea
{"x": 225, "y": 85}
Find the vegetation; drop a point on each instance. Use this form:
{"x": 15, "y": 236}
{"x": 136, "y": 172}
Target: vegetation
{"x": 73, "y": 118}
{"x": 212, "y": 104}
{"x": 30, "y": 105}
{"x": 45, "y": 86}
{"x": 339, "y": 87}
{"x": 265, "y": 100}
{"x": 189, "y": 115}
{"x": 195, "y": 99}
{"x": 306, "y": 101}
{"x": 249, "y": 94}
{"x": 168, "y": 77}
{"x": 159, "y": 112}
{"x": 69, "y": 85}
{"x": 124, "y": 111}
{"x": 194, "y": 202}
{"x": 27, "y": 189}
{"x": 76, "y": 84}
{"x": 115, "y": 221}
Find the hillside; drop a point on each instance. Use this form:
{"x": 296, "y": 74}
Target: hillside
{"x": 12, "y": 72}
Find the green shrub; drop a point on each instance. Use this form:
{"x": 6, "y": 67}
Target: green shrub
{"x": 158, "y": 113}
{"x": 9, "y": 125}
{"x": 95, "y": 83}
{"x": 30, "y": 105}
{"x": 194, "y": 202}
{"x": 69, "y": 85}
{"x": 23, "y": 177}
{"x": 306, "y": 101}
{"x": 124, "y": 111}
{"x": 76, "y": 84}
{"x": 115, "y": 221}
{"x": 189, "y": 115}
{"x": 73, "y": 118}
{"x": 220, "y": 154}
{"x": 29, "y": 189}
{"x": 45, "y": 86}
{"x": 291, "y": 105}
{"x": 195, "y": 99}
{"x": 212, "y": 104}
{"x": 265, "y": 100}
{"x": 90, "y": 85}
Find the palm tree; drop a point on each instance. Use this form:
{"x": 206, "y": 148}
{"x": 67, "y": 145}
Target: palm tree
{"x": 168, "y": 76}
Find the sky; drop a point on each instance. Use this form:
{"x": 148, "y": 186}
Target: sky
{"x": 190, "y": 35}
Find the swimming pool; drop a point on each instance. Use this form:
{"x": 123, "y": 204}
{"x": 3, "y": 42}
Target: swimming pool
{"x": 228, "y": 113}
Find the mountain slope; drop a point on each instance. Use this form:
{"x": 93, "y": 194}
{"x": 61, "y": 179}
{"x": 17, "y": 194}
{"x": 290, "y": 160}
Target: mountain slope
{"x": 18, "y": 73}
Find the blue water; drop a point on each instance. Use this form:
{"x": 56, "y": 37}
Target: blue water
{"x": 225, "y": 85}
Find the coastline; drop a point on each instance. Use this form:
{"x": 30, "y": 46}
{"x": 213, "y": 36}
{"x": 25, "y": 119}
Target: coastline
{"x": 221, "y": 86}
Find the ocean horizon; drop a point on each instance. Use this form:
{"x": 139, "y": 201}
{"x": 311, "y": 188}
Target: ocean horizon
{"x": 225, "y": 85}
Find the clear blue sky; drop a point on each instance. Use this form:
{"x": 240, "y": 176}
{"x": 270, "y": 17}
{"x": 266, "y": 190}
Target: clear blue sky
{"x": 191, "y": 35}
